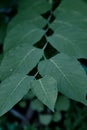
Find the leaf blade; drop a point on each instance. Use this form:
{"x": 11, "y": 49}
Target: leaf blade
{"x": 21, "y": 59}
{"x": 46, "y": 91}
{"x": 12, "y": 91}
{"x": 70, "y": 29}
{"x": 22, "y": 33}
{"x": 71, "y": 77}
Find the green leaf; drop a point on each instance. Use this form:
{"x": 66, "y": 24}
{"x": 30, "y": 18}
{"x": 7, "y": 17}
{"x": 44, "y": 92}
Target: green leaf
{"x": 23, "y": 104}
{"x": 45, "y": 119}
{"x": 36, "y": 105}
{"x": 62, "y": 104}
{"x": 20, "y": 59}
{"x": 71, "y": 77}
{"x": 30, "y": 127}
{"x": 30, "y": 11}
{"x": 22, "y": 33}
{"x": 31, "y": 18}
{"x": 29, "y": 96}
{"x": 57, "y": 116}
{"x": 70, "y": 28}
{"x": 74, "y": 5}
{"x": 0, "y": 58}
{"x": 12, "y": 91}
{"x": 71, "y": 18}
{"x": 40, "y": 6}
{"x": 70, "y": 41}
{"x": 46, "y": 91}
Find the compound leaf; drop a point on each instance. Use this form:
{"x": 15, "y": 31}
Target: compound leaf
{"x": 71, "y": 77}
{"x": 70, "y": 25}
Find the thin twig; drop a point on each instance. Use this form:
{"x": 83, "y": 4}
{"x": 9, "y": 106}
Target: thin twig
{"x": 17, "y": 114}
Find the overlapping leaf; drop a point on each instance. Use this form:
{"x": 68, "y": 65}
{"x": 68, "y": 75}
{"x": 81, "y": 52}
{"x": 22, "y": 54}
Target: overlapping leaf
{"x": 29, "y": 16}
{"x": 20, "y": 59}
{"x": 71, "y": 78}
{"x": 70, "y": 37}
{"x": 40, "y": 6}
{"x": 30, "y": 11}
{"x": 75, "y": 5}
{"x": 12, "y": 90}
{"x": 46, "y": 91}
{"x": 22, "y": 33}
{"x": 70, "y": 27}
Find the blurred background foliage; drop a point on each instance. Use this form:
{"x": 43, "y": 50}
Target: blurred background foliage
{"x": 30, "y": 113}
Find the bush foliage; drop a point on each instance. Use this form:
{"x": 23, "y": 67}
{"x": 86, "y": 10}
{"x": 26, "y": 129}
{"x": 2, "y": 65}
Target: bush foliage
{"x": 43, "y": 49}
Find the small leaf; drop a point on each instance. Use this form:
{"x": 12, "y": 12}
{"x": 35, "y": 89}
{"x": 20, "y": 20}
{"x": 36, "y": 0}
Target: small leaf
{"x": 46, "y": 91}
{"x": 57, "y": 116}
{"x": 12, "y": 91}
{"x": 36, "y": 105}
{"x": 45, "y": 119}
{"x": 62, "y": 104}
{"x": 23, "y": 104}
{"x": 71, "y": 77}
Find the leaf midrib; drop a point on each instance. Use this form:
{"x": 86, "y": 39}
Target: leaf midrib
{"x": 68, "y": 40}
{"x": 5, "y": 101}
{"x": 43, "y": 89}
{"x": 24, "y": 58}
{"x": 59, "y": 69}
{"x": 27, "y": 35}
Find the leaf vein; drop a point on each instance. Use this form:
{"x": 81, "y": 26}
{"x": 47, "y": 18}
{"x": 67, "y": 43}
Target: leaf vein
{"x": 61, "y": 72}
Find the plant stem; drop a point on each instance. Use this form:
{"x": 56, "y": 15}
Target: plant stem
{"x": 17, "y": 114}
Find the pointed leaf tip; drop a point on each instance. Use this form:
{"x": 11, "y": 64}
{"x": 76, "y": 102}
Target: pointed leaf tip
{"x": 46, "y": 91}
